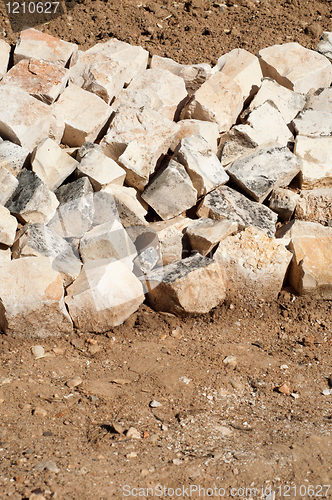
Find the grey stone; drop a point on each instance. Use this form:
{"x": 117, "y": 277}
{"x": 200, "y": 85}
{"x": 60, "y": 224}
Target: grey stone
{"x": 325, "y": 44}
{"x": 233, "y": 146}
{"x": 265, "y": 169}
{"x": 32, "y": 201}
{"x": 13, "y": 157}
{"x": 283, "y": 202}
{"x": 147, "y": 259}
{"x": 226, "y": 203}
{"x": 204, "y": 234}
{"x": 119, "y": 202}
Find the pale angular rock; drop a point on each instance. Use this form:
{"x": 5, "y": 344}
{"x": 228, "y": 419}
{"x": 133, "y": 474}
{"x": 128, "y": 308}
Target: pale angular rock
{"x": 321, "y": 100}
{"x": 32, "y": 201}
{"x": 289, "y": 103}
{"x": 100, "y": 169}
{"x": 208, "y": 130}
{"x": 13, "y": 157}
{"x": 310, "y": 271}
{"x": 194, "y": 75}
{"x": 8, "y": 226}
{"x": 171, "y": 192}
{"x": 296, "y": 67}
{"x": 36, "y": 240}
{"x": 316, "y": 154}
{"x": 311, "y": 123}
{"x": 265, "y": 169}
{"x": 264, "y": 125}
{"x": 84, "y": 114}
{"x": 218, "y": 100}
{"x": 315, "y": 206}
{"x": 172, "y": 238}
{"x": 226, "y": 203}
{"x": 233, "y": 146}
{"x": 147, "y": 260}
{"x": 31, "y": 294}
{"x": 33, "y": 44}
{"x": 244, "y": 68}
{"x": 24, "y": 120}
{"x": 325, "y": 44}
{"x": 119, "y": 202}
{"x": 5, "y": 253}
{"x": 202, "y": 165}
{"x": 74, "y": 215}
{"x": 108, "y": 241}
{"x": 180, "y": 284}
{"x": 166, "y": 90}
{"x": 52, "y": 164}
{"x": 283, "y": 202}
{"x": 4, "y": 57}
{"x": 204, "y": 234}
{"x": 104, "y": 295}
{"x": 253, "y": 265}
{"x": 8, "y": 185}
{"x": 146, "y": 133}
{"x": 43, "y": 80}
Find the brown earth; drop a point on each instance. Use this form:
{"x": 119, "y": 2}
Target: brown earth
{"x": 223, "y": 426}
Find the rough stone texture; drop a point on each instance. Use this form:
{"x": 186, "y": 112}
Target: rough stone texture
{"x": 264, "y": 125}
{"x": 147, "y": 260}
{"x": 315, "y": 206}
{"x": 122, "y": 202}
{"x": 43, "y": 80}
{"x": 283, "y": 202}
{"x": 5, "y": 253}
{"x": 32, "y": 201}
{"x": 8, "y": 184}
{"x": 13, "y": 157}
{"x": 289, "y": 103}
{"x": 138, "y": 137}
{"x": 4, "y": 57}
{"x": 166, "y": 91}
{"x": 108, "y": 293}
{"x": 85, "y": 114}
{"x": 202, "y": 165}
{"x": 100, "y": 169}
{"x": 31, "y": 294}
{"x": 52, "y": 164}
{"x": 171, "y": 192}
{"x": 208, "y": 130}
{"x": 325, "y": 44}
{"x": 74, "y": 215}
{"x": 172, "y": 238}
{"x": 108, "y": 241}
{"x": 218, "y": 100}
{"x": 194, "y": 75}
{"x": 204, "y": 234}
{"x": 234, "y": 145}
{"x": 312, "y": 123}
{"x": 296, "y": 67}
{"x": 253, "y": 266}
{"x": 226, "y": 203}
{"x": 8, "y": 226}
{"x": 265, "y": 169}
{"x": 310, "y": 271}
{"x": 36, "y": 240}
{"x": 180, "y": 284}
{"x": 33, "y": 44}
{"x": 321, "y": 100}
{"x": 244, "y": 68}
{"x": 317, "y": 161}
{"x": 26, "y": 121}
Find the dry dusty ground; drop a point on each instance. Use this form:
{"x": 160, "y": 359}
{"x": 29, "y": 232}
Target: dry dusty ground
{"x": 221, "y": 426}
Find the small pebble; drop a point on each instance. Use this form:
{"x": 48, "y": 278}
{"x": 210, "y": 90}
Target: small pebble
{"x": 74, "y": 382}
{"x": 327, "y": 392}
{"x": 36, "y": 496}
{"x": 83, "y": 471}
{"x": 133, "y": 433}
{"x": 283, "y": 367}
{"x": 230, "y": 361}
{"x": 58, "y": 350}
{"x": 145, "y": 472}
{"x": 38, "y": 351}
{"x": 132, "y": 454}
{"x": 224, "y": 431}
{"x": 91, "y": 341}
{"x": 48, "y": 465}
{"x": 25, "y": 406}
{"x": 236, "y": 385}
{"x": 164, "y": 427}
{"x": 235, "y": 471}
{"x": 295, "y": 395}
{"x": 284, "y": 389}
{"x": 176, "y": 333}
{"x": 177, "y": 461}
{"x": 41, "y": 412}
{"x": 155, "y": 404}
{"x": 185, "y": 380}
{"x": 94, "y": 348}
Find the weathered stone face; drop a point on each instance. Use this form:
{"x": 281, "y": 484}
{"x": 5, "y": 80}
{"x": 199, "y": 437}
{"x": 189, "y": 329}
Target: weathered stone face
{"x": 204, "y": 234}
{"x": 316, "y": 154}
{"x": 171, "y": 238}
{"x": 283, "y": 202}
{"x": 4, "y": 57}
{"x": 315, "y": 206}
{"x": 13, "y": 157}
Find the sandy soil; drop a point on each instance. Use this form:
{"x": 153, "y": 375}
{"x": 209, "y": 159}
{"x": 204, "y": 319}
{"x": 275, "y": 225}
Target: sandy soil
{"x": 219, "y": 426}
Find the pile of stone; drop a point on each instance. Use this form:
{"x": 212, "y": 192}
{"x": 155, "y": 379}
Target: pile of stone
{"x": 126, "y": 179}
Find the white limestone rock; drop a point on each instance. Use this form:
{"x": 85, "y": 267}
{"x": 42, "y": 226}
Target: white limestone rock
{"x": 171, "y": 192}
{"x": 8, "y": 185}
{"x": 316, "y": 154}
{"x": 8, "y": 226}
{"x": 85, "y": 115}
{"x": 104, "y": 295}
{"x": 4, "y": 57}
{"x": 234, "y": 145}
{"x": 208, "y": 130}
{"x": 32, "y": 304}
{"x": 204, "y": 234}
{"x": 171, "y": 238}
{"x": 315, "y": 206}
{"x": 283, "y": 202}
{"x": 296, "y": 67}
{"x": 253, "y": 266}
{"x": 325, "y": 44}
{"x": 202, "y": 165}
{"x": 52, "y": 164}
{"x": 218, "y": 100}
{"x": 13, "y": 157}
{"x": 311, "y": 123}
{"x": 119, "y": 202}
{"x": 265, "y": 169}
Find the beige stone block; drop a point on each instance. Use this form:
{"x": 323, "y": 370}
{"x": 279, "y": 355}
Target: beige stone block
{"x": 8, "y": 226}
{"x": 104, "y": 295}
{"x": 283, "y": 202}
{"x": 31, "y": 294}
{"x": 8, "y": 184}
{"x": 218, "y": 100}
{"x": 316, "y": 154}
{"x": 126, "y": 200}
{"x": 208, "y": 130}
{"x": 85, "y": 115}
{"x": 296, "y": 67}
{"x": 100, "y": 169}
{"x": 171, "y": 237}
{"x": 33, "y": 44}
{"x": 253, "y": 266}
{"x": 4, "y": 57}
{"x": 13, "y": 157}
{"x": 315, "y": 206}
{"x": 204, "y": 234}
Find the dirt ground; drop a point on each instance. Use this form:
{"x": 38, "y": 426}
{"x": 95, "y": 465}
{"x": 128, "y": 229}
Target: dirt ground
{"x": 218, "y": 429}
